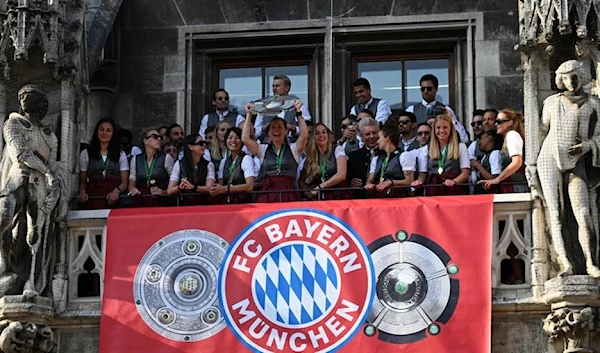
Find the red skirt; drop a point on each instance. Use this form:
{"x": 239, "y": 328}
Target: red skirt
{"x": 275, "y": 183}
{"x": 507, "y": 185}
{"x": 97, "y": 190}
{"x": 442, "y": 190}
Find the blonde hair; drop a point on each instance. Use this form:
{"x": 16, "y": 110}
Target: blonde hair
{"x": 313, "y": 154}
{"x": 453, "y": 141}
{"x": 518, "y": 124}
{"x": 215, "y": 149}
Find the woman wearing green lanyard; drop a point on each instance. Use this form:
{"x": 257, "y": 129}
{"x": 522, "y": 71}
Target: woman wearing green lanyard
{"x": 279, "y": 159}
{"x": 236, "y": 171}
{"x": 391, "y": 167}
{"x": 103, "y": 169}
{"x": 445, "y": 163}
{"x": 149, "y": 172}
{"x": 325, "y": 167}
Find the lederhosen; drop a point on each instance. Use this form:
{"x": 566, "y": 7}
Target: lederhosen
{"x": 451, "y": 170}
{"x": 159, "y": 178}
{"x": 270, "y": 179}
{"x": 392, "y": 171}
{"x": 213, "y": 119}
{"x": 420, "y": 111}
{"x": 191, "y": 197}
{"x": 237, "y": 179}
{"x": 372, "y": 107}
{"x": 101, "y": 185}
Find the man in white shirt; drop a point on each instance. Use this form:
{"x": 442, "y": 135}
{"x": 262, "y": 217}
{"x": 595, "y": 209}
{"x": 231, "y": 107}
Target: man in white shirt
{"x": 281, "y": 87}
{"x": 220, "y": 101}
{"x": 362, "y": 91}
{"x": 430, "y": 107}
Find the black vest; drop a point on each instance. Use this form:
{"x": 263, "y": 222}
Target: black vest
{"x": 213, "y": 119}
{"x": 330, "y": 167}
{"x": 421, "y": 111}
{"x": 95, "y": 168}
{"x": 372, "y": 107}
{"x": 238, "y": 174}
{"x": 485, "y": 163}
{"x": 159, "y": 174}
{"x": 394, "y": 168}
{"x": 351, "y": 147}
{"x": 289, "y": 166}
{"x": 412, "y": 146}
{"x": 201, "y": 178}
{"x": 450, "y": 165}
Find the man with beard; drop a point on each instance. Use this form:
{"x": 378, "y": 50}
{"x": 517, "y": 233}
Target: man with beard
{"x": 475, "y": 154}
{"x": 406, "y": 128}
{"x": 359, "y": 161}
{"x": 489, "y": 119}
{"x": 379, "y": 107}
{"x": 220, "y": 101}
{"x": 175, "y": 134}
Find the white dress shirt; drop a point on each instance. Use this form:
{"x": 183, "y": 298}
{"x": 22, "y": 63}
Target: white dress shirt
{"x": 383, "y": 110}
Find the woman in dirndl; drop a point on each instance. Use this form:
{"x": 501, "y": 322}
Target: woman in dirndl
{"x": 278, "y": 159}
{"x": 391, "y": 168}
{"x": 445, "y": 163}
{"x": 103, "y": 169}
{"x": 510, "y": 124}
{"x": 324, "y": 167}
{"x": 236, "y": 171}
{"x": 149, "y": 172}
{"x": 193, "y": 176}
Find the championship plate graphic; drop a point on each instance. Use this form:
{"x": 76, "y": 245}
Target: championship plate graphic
{"x": 175, "y": 286}
{"x": 417, "y": 289}
{"x": 296, "y": 281}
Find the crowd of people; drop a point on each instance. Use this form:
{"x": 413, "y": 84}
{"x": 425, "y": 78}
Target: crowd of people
{"x": 421, "y": 151}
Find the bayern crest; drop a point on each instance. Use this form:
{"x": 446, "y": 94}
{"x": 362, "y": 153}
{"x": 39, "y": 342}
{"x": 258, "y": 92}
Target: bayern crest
{"x": 296, "y": 281}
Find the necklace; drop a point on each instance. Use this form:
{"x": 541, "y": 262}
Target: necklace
{"x": 442, "y": 160}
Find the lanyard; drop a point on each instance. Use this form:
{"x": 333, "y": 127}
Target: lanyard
{"x": 279, "y": 157}
{"x": 147, "y": 170}
{"x": 231, "y": 169}
{"x": 383, "y": 168}
{"x": 104, "y": 165}
{"x": 442, "y": 160}
{"x": 322, "y": 167}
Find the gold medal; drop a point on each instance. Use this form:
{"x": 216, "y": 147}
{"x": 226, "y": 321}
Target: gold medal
{"x": 380, "y": 180}
{"x": 440, "y": 170}
{"x": 104, "y": 173}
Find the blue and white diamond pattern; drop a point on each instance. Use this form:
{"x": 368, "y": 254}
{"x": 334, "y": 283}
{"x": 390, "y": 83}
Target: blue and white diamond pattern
{"x": 296, "y": 284}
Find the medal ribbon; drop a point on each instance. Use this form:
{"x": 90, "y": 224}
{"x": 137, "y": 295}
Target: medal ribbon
{"x": 279, "y": 157}
{"x": 322, "y": 167}
{"x": 148, "y": 171}
{"x": 104, "y": 164}
{"x": 231, "y": 170}
{"x": 384, "y": 167}
{"x": 442, "y": 160}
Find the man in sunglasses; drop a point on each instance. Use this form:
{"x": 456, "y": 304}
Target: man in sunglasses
{"x": 406, "y": 127}
{"x": 430, "y": 107}
{"x": 475, "y": 154}
{"x": 220, "y": 101}
{"x": 362, "y": 91}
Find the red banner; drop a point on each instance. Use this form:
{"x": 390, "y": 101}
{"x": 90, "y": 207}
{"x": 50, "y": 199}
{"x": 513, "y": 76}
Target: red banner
{"x": 405, "y": 275}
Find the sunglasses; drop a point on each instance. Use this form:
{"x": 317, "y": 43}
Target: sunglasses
{"x": 500, "y": 121}
{"x": 223, "y": 99}
{"x": 199, "y": 143}
{"x": 477, "y": 123}
{"x": 423, "y": 133}
{"x": 346, "y": 126}
{"x": 155, "y": 136}
{"x": 428, "y": 88}
{"x": 403, "y": 122}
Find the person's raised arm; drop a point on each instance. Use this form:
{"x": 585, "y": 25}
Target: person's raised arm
{"x": 247, "y": 140}
{"x": 303, "y": 136}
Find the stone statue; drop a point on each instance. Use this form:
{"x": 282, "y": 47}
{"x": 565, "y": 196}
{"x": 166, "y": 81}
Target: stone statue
{"x": 16, "y": 337}
{"x": 569, "y": 154}
{"x": 574, "y": 328}
{"x": 31, "y": 189}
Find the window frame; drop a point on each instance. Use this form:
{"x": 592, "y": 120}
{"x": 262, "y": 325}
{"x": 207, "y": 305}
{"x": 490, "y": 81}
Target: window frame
{"x": 243, "y": 63}
{"x": 403, "y": 57}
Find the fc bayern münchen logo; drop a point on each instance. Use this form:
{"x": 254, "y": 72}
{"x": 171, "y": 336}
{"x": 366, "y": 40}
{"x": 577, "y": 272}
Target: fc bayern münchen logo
{"x": 296, "y": 281}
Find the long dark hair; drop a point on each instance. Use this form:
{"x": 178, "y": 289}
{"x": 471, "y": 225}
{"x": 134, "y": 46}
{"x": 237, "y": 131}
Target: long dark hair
{"x": 195, "y": 176}
{"x": 114, "y": 146}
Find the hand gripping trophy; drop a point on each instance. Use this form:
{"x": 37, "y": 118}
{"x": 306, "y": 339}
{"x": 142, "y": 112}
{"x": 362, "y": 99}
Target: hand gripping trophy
{"x": 570, "y": 149}
{"x": 30, "y": 189}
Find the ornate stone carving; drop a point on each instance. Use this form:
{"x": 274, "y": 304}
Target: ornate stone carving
{"x": 17, "y": 337}
{"x": 569, "y": 156}
{"x": 573, "y": 327}
{"x": 32, "y": 206}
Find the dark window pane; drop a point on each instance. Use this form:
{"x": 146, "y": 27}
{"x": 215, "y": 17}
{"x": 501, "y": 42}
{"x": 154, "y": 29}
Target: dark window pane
{"x": 242, "y": 84}
{"x": 385, "y": 79}
{"x": 415, "y": 69}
